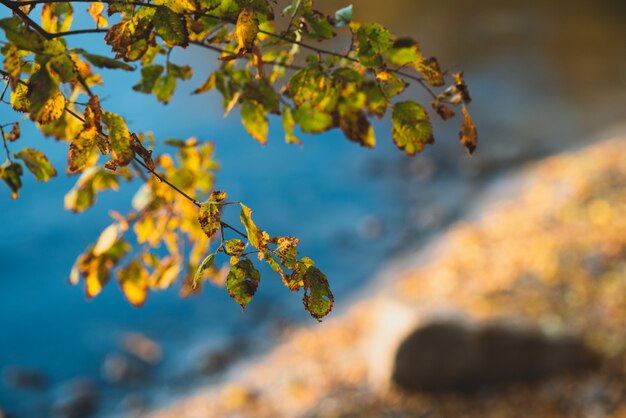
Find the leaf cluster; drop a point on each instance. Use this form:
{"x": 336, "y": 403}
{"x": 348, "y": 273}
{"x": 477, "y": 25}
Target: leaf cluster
{"x": 262, "y": 71}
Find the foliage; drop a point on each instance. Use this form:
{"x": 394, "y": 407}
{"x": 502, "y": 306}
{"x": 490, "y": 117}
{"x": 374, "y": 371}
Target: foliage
{"x": 261, "y": 71}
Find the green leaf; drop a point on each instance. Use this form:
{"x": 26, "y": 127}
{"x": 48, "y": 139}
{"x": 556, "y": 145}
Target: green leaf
{"x": 62, "y": 68}
{"x": 377, "y": 102}
{"x": 149, "y": 76}
{"x": 318, "y": 299}
{"x": 411, "y": 128}
{"x": 206, "y": 264}
{"x": 164, "y": 88}
{"x": 209, "y": 218}
{"x": 41, "y": 89}
{"x": 320, "y": 28}
{"x": 119, "y": 137}
{"x": 21, "y": 35}
{"x": 11, "y": 173}
{"x": 343, "y": 16}
{"x": 390, "y": 84}
{"x": 182, "y": 72}
{"x": 404, "y": 51}
{"x": 105, "y": 62}
{"x": 263, "y": 93}
{"x": 288, "y": 125}
{"x": 37, "y": 163}
{"x": 373, "y": 40}
{"x": 311, "y": 119}
{"x": 242, "y": 282}
{"x": 171, "y": 27}
{"x": 254, "y": 119}
{"x": 256, "y": 237}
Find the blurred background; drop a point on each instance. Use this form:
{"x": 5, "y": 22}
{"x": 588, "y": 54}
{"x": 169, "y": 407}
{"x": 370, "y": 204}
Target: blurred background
{"x": 544, "y": 77}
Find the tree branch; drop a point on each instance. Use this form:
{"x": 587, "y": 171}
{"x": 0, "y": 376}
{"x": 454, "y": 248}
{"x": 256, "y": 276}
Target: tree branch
{"x": 15, "y": 8}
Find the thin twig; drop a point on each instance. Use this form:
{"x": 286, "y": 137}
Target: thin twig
{"x": 166, "y": 181}
{"x": 225, "y": 225}
{"x": 4, "y": 141}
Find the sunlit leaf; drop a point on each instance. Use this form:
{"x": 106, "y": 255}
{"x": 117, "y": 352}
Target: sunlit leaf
{"x": 133, "y": 279}
{"x": 11, "y": 173}
{"x": 21, "y": 35}
{"x": 119, "y": 137}
{"x": 411, "y": 128}
{"x": 242, "y": 282}
{"x": 14, "y": 134}
{"x": 234, "y": 247}
{"x": 209, "y": 218}
{"x": 108, "y": 237}
{"x": 95, "y": 10}
{"x": 83, "y": 150}
{"x": 288, "y": 125}
{"x": 164, "y": 88}
{"x": 254, "y": 119}
{"x": 171, "y": 26}
{"x": 468, "y": 134}
{"x": 429, "y": 67}
{"x": 246, "y": 29}
{"x": 318, "y": 299}
{"x": 206, "y": 264}
{"x": 37, "y": 163}
{"x": 255, "y": 235}
{"x": 357, "y": 128}
{"x": 311, "y": 119}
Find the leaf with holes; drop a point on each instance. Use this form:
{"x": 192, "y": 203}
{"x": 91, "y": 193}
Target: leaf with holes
{"x": 242, "y": 282}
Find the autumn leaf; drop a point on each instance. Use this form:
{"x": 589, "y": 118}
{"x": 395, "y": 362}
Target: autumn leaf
{"x": 242, "y": 282}
{"x": 246, "y": 30}
{"x": 119, "y": 137}
{"x": 318, "y": 300}
{"x": 95, "y": 10}
{"x": 37, "y": 163}
{"x": 357, "y": 128}
{"x": 209, "y": 218}
{"x": 256, "y": 237}
{"x": 133, "y": 279}
{"x": 234, "y": 247}
{"x": 11, "y": 173}
{"x": 429, "y": 67}
{"x": 411, "y": 128}
{"x": 254, "y": 119}
{"x": 468, "y": 134}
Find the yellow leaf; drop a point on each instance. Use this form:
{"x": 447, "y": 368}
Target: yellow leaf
{"x": 108, "y": 237}
{"x": 246, "y": 30}
{"x": 95, "y": 9}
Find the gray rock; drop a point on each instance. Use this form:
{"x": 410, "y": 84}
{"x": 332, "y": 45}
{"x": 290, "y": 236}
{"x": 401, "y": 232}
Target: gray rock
{"x": 77, "y": 400}
{"x": 449, "y": 356}
{"x": 21, "y": 378}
